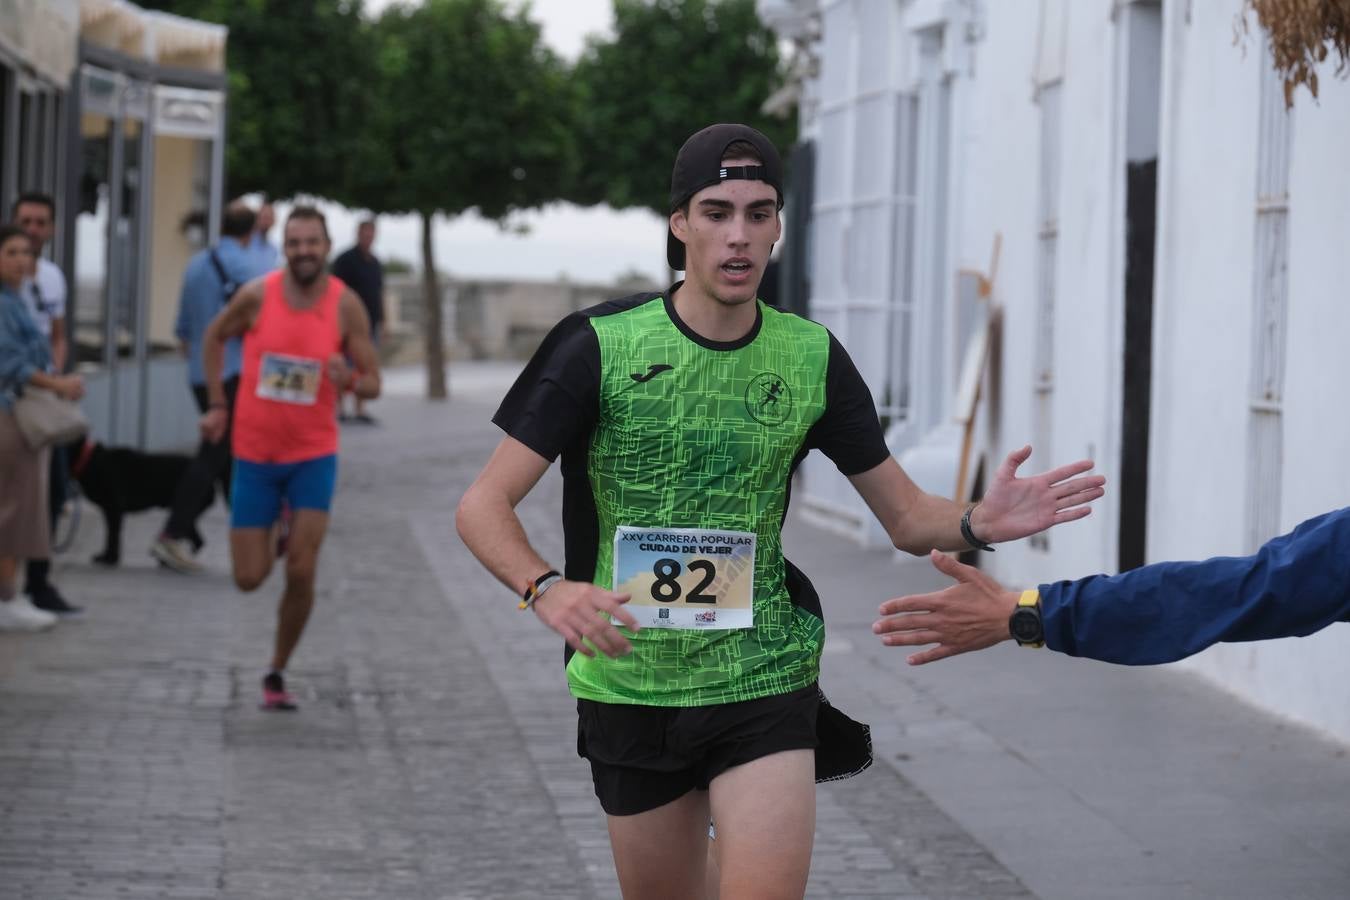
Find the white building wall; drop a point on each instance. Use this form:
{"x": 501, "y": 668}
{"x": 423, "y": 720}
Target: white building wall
{"x": 1203, "y": 307}
{"x": 1207, "y": 132}
{"x": 1301, "y": 678}
{"x": 998, "y": 169}
{"x": 1000, "y": 166}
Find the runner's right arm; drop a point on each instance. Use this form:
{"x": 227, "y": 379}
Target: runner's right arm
{"x": 236, "y": 318}
{"x": 553, "y": 404}
{"x": 488, "y": 524}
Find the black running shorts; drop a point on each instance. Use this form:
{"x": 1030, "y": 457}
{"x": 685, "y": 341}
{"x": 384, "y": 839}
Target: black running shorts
{"x": 643, "y": 757}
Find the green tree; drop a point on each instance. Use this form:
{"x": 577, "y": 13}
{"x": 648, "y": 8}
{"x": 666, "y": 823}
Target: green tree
{"x": 672, "y": 67}
{"x": 473, "y": 112}
{"x": 300, "y": 89}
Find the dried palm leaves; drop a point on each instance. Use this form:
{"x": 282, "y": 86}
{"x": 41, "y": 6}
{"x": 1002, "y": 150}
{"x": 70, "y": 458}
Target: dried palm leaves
{"x": 1303, "y": 33}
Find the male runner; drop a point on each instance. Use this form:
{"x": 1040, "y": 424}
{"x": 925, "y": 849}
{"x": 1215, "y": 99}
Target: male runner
{"x": 294, "y": 322}
{"x": 680, "y": 418}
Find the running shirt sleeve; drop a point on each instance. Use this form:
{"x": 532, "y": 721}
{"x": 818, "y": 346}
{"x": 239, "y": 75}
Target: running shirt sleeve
{"x": 557, "y": 398}
{"x": 848, "y": 432}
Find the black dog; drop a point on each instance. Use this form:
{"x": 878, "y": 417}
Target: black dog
{"x": 120, "y": 480}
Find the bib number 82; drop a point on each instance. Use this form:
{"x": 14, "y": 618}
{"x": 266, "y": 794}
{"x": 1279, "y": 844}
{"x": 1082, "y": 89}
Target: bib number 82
{"x": 667, "y": 590}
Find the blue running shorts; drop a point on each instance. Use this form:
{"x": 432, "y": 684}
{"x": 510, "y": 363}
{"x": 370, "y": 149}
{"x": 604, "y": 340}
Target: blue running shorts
{"x": 259, "y": 488}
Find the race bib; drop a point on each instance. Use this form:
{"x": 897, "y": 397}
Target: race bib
{"x": 289, "y": 379}
{"x": 686, "y": 577}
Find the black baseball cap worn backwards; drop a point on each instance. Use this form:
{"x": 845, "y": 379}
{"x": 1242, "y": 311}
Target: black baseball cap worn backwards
{"x": 699, "y": 165}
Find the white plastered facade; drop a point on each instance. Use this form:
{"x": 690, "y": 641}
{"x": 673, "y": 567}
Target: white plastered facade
{"x": 979, "y": 78}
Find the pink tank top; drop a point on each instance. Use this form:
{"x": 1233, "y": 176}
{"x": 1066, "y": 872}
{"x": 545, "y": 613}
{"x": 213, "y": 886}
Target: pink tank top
{"x": 286, "y": 410}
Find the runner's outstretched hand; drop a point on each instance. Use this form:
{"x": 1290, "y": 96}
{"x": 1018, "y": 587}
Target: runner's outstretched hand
{"x": 574, "y": 610}
{"x": 1015, "y": 507}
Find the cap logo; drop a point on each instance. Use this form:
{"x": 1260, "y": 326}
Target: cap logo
{"x": 742, "y": 173}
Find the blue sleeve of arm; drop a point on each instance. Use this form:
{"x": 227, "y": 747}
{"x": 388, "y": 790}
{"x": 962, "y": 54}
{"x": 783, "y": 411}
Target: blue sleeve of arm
{"x": 1293, "y": 586}
{"x": 181, "y": 327}
{"x": 16, "y": 366}
{"x": 16, "y": 373}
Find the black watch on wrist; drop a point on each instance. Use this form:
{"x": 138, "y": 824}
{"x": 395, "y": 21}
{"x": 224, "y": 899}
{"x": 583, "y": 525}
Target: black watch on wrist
{"x": 1025, "y": 624}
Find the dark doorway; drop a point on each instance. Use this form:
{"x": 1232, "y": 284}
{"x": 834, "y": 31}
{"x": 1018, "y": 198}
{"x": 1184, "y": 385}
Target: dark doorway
{"x": 1141, "y": 25}
{"x": 1141, "y": 192}
{"x": 792, "y": 278}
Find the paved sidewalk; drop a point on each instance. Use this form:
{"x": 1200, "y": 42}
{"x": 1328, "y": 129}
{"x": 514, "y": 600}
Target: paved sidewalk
{"x": 434, "y": 754}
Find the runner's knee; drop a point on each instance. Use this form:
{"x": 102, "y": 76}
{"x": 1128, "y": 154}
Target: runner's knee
{"x": 249, "y": 578}
{"x": 300, "y": 569}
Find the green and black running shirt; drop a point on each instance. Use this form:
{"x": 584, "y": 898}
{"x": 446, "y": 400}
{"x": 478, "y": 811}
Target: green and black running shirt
{"x": 659, "y": 427}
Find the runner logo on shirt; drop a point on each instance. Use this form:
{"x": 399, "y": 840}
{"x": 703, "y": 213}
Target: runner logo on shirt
{"x": 289, "y": 379}
{"x": 768, "y": 399}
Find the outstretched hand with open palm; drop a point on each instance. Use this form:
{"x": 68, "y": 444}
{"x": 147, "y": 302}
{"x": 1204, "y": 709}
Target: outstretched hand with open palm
{"x": 1015, "y": 508}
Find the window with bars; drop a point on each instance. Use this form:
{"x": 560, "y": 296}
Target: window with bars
{"x": 1047, "y": 249}
{"x": 895, "y": 404}
{"x": 1270, "y": 300}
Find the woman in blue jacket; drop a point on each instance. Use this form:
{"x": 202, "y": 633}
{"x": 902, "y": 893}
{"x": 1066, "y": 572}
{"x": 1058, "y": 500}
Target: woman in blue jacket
{"x": 24, "y": 358}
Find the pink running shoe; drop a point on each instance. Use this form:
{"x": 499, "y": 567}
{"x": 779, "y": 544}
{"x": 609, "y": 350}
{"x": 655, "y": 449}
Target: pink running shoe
{"x": 275, "y": 695}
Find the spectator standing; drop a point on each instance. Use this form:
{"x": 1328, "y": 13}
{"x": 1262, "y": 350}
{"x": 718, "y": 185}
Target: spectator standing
{"x": 25, "y": 358}
{"x": 212, "y": 277}
{"x": 258, "y": 244}
{"x": 44, "y": 294}
{"x": 359, "y": 269}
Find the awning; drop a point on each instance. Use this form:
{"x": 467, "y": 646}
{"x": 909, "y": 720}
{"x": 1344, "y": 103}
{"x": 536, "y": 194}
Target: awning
{"x": 156, "y": 37}
{"x": 44, "y": 34}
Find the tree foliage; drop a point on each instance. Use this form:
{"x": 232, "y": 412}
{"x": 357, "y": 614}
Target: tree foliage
{"x": 473, "y": 112}
{"x": 300, "y": 90}
{"x": 672, "y": 67}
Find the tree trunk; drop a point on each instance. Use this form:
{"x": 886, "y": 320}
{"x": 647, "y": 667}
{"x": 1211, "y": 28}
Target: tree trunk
{"x": 431, "y": 317}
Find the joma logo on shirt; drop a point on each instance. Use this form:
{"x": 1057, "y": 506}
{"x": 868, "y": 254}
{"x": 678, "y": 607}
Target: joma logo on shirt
{"x": 652, "y": 371}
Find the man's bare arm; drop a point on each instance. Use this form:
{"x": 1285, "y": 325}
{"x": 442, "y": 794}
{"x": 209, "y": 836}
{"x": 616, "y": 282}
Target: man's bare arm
{"x": 356, "y": 332}
{"x": 488, "y": 524}
{"x": 236, "y": 318}
{"x": 915, "y": 521}
{"x": 60, "y": 347}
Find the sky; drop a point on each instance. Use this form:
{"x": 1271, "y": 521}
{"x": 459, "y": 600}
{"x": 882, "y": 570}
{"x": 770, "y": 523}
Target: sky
{"x": 595, "y": 244}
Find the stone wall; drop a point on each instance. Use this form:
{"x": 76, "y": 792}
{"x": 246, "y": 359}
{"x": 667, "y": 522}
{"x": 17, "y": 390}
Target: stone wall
{"x": 486, "y": 319}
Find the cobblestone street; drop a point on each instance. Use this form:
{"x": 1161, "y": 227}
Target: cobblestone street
{"x": 434, "y": 753}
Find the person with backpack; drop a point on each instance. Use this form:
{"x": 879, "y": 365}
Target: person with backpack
{"x": 212, "y": 277}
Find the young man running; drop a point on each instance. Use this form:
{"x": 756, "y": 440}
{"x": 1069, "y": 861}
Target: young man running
{"x": 295, "y": 323}
{"x": 680, "y": 418}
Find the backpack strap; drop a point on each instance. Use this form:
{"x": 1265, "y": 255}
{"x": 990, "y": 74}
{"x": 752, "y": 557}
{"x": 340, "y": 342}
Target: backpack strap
{"x": 227, "y": 284}
{"x": 40, "y": 300}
